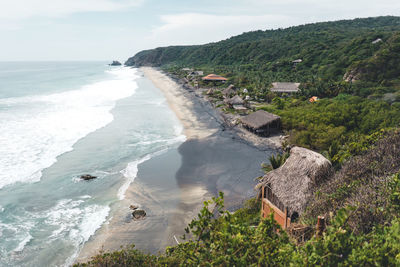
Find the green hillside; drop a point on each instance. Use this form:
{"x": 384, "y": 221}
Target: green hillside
{"x": 353, "y": 66}
{"x": 328, "y": 51}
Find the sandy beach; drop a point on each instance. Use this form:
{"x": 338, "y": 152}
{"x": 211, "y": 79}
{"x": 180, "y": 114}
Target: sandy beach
{"x": 172, "y": 187}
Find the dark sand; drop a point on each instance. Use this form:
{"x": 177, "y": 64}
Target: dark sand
{"x": 172, "y": 187}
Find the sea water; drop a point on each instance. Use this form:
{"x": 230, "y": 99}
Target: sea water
{"x": 59, "y": 120}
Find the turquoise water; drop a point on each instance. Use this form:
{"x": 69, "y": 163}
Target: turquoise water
{"x": 59, "y": 120}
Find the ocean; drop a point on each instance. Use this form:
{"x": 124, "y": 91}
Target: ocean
{"x": 60, "y": 120}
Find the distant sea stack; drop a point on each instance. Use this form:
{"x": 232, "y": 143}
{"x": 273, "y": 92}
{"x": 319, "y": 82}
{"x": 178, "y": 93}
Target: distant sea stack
{"x": 115, "y": 63}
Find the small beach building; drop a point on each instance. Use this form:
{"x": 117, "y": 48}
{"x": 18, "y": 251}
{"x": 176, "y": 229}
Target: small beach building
{"x": 196, "y": 73}
{"x": 214, "y": 78}
{"x": 187, "y": 69}
{"x": 262, "y": 123}
{"x": 377, "y": 41}
{"x": 283, "y": 87}
{"x": 287, "y": 190}
{"x": 236, "y": 103}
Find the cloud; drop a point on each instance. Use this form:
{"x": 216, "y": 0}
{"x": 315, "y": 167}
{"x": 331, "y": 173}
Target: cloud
{"x": 23, "y": 9}
{"x": 321, "y": 8}
{"x": 194, "y": 28}
{"x": 247, "y": 15}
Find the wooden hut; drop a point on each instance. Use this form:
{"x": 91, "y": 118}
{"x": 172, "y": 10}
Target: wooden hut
{"x": 262, "y": 123}
{"x": 287, "y": 190}
{"x": 287, "y": 88}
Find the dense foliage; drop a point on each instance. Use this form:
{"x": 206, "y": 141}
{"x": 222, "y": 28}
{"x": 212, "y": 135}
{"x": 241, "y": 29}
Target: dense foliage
{"x": 242, "y": 239}
{"x": 353, "y": 66}
{"x": 365, "y": 182}
{"x": 340, "y": 127}
{"x": 328, "y": 51}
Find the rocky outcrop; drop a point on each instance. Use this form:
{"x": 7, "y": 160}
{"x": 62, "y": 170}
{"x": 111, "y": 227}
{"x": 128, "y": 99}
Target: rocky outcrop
{"x": 115, "y": 63}
{"x": 133, "y": 207}
{"x": 87, "y": 177}
{"x": 352, "y": 75}
{"x": 138, "y": 214}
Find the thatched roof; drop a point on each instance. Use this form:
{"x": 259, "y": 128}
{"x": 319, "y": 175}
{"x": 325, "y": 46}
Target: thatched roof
{"x": 285, "y": 87}
{"x": 259, "y": 119}
{"x": 214, "y": 77}
{"x": 293, "y": 183}
{"x": 236, "y": 100}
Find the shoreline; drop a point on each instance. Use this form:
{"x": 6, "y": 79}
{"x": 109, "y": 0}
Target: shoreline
{"x": 173, "y": 186}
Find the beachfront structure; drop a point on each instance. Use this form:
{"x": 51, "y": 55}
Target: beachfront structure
{"x": 214, "y": 78}
{"x": 288, "y": 88}
{"x": 228, "y": 92}
{"x": 262, "y": 123}
{"x": 286, "y": 191}
{"x": 377, "y": 41}
{"x": 196, "y": 73}
{"x": 187, "y": 69}
{"x": 236, "y": 102}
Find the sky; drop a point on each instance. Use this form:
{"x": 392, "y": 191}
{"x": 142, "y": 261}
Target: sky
{"x": 44, "y": 30}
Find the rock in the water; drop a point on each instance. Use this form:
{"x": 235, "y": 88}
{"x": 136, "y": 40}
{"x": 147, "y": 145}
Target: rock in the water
{"x": 88, "y": 177}
{"x": 138, "y": 214}
{"x": 115, "y": 63}
{"x": 133, "y": 207}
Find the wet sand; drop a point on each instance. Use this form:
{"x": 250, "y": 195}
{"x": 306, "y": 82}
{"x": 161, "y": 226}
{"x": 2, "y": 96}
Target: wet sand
{"x": 172, "y": 187}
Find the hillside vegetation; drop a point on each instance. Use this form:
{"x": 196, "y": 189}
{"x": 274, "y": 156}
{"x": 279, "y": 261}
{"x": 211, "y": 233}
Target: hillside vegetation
{"x": 328, "y": 51}
{"x": 353, "y": 66}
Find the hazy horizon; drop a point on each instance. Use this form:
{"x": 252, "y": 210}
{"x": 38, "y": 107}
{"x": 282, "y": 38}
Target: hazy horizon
{"x": 104, "y": 30}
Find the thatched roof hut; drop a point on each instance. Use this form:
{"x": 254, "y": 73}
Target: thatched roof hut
{"x": 285, "y": 87}
{"x": 293, "y": 183}
{"x": 259, "y": 119}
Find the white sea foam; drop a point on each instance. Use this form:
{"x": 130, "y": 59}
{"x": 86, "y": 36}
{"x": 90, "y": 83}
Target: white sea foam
{"x": 35, "y": 130}
{"x": 76, "y": 222}
{"x": 19, "y": 232}
{"x": 130, "y": 173}
{"x": 23, "y": 243}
